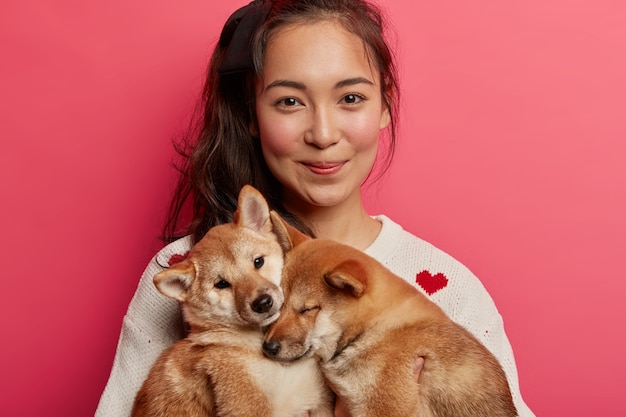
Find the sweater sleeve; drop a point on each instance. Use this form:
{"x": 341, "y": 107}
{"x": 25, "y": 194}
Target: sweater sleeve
{"x": 152, "y": 323}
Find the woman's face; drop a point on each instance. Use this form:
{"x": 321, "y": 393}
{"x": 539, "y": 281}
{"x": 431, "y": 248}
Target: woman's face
{"x": 319, "y": 112}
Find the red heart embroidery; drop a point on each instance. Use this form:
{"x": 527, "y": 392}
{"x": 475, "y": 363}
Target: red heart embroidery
{"x": 176, "y": 258}
{"x": 431, "y": 283}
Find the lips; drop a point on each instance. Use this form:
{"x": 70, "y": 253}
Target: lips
{"x": 324, "y": 168}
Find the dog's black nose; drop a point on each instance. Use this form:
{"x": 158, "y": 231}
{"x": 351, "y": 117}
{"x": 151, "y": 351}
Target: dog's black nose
{"x": 271, "y": 347}
{"x": 262, "y": 304}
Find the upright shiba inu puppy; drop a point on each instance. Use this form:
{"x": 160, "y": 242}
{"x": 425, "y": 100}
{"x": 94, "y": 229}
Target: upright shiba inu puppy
{"x": 368, "y": 326}
{"x": 229, "y": 289}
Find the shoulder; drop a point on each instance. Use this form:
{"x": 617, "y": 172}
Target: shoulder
{"x": 146, "y": 296}
{"x": 437, "y": 274}
{"x": 173, "y": 252}
{"x": 404, "y": 253}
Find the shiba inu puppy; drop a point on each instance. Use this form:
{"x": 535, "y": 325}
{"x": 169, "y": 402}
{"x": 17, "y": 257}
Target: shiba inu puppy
{"x": 229, "y": 289}
{"x": 367, "y": 327}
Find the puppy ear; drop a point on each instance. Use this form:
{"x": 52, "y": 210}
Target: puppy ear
{"x": 175, "y": 281}
{"x": 287, "y": 235}
{"x": 252, "y": 210}
{"x": 349, "y": 276}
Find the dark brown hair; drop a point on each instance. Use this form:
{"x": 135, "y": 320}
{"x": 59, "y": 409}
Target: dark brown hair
{"x": 219, "y": 155}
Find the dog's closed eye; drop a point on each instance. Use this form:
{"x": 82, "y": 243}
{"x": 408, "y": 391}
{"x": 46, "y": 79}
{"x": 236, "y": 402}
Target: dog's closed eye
{"x": 259, "y": 262}
{"x": 307, "y": 309}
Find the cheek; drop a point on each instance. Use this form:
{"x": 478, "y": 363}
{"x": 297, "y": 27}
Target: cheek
{"x": 364, "y": 132}
{"x": 278, "y": 138}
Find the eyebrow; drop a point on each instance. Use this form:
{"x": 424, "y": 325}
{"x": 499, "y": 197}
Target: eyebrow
{"x": 300, "y": 86}
{"x": 353, "y": 81}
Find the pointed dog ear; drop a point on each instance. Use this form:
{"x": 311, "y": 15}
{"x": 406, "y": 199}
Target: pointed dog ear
{"x": 252, "y": 210}
{"x": 349, "y": 276}
{"x": 287, "y": 235}
{"x": 175, "y": 281}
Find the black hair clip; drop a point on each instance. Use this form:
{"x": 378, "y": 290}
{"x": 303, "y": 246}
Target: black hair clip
{"x": 237, "y": 35}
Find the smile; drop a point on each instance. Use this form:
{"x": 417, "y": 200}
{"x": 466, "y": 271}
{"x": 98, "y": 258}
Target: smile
{"x": 324, "y": 168}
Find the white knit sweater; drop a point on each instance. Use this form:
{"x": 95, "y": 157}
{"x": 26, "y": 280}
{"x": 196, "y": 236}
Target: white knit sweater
{"x": 154, "y": 322}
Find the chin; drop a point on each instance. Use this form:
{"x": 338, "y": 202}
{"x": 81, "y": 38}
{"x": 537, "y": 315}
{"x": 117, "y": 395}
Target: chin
{"x": 328, "y": 196}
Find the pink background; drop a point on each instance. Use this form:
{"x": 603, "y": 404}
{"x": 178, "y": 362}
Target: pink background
{"x": 511, "y": 157}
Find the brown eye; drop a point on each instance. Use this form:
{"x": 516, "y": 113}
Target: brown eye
{"x": 259, "y": 262}
{"x": 352, "y": 99}
{"x": 221, "y": 284}
{"x": 288, "y": 102}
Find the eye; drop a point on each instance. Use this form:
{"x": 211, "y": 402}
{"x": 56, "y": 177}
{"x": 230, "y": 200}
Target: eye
{"x": 352, "y": 99}
{"x": 306, "y": 310}
{"x": 259, "y": 262}
{"x": 288, "y": 102}
{"x": 221, "y": 284}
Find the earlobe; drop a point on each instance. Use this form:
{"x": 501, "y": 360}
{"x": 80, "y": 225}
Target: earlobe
{"x": 253, "y": 129}
{"x": 385, "y": 118}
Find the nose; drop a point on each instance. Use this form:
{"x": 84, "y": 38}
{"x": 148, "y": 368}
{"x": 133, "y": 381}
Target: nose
{"x": 271, "y": 347}
{"x": 262, "y": 304}
{"x": 323, "y": 130}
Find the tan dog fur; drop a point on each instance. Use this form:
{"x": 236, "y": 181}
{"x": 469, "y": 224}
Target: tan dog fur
{"x": 219, "y": 369}
{"x": 367, "y": 326}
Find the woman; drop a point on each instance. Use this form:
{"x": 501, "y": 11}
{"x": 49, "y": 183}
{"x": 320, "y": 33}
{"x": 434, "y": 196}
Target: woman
{"x": 297, "y": 95}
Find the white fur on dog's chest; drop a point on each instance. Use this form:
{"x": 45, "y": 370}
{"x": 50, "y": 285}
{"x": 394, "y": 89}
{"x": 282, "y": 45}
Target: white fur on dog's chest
{"x": 292, "y": 388}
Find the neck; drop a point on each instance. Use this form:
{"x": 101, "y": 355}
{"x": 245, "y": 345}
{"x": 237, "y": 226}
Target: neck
{"x": 347, "y": 223}
{"x": 358, "y": 230}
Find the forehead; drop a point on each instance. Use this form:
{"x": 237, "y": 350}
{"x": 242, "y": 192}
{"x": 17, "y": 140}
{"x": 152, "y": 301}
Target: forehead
{"x": 317, "y": 51}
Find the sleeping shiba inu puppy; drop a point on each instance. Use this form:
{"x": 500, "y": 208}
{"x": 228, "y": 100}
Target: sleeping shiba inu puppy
{"x": 367, "y": 327}
{"x": 229, "y": 289}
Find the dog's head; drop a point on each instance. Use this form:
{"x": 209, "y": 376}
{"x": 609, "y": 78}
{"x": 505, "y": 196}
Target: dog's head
{"x": 324, "y": 284}
{"x": 232, "y": 275}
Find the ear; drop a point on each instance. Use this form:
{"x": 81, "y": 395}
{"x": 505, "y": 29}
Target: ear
{"x": 252, "y": 210}
{"x": 287, "y": 235}
{"x": 175, "y": 281}
{"x": 385, "y": 118}
{"x": 253, "y": 128}
{"x": 349, "y": 276}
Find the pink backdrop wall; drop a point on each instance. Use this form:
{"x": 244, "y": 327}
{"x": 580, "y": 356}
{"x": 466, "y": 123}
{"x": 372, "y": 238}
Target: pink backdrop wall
{"x": 512, "y": 158}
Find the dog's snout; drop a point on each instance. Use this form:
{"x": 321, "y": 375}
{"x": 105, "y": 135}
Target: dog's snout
{"x": 262, "y": 304}
{"x": 271, "y": 347}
